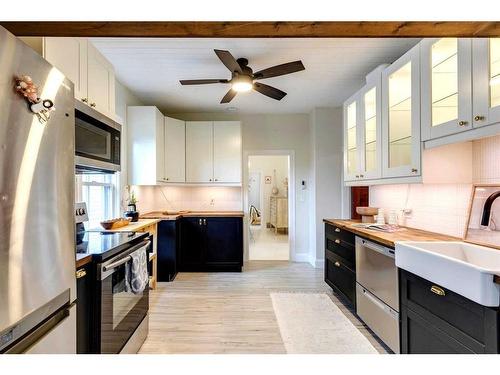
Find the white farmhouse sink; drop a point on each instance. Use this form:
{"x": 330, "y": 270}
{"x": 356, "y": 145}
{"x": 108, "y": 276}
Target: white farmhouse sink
{"x": 463, "y": 268}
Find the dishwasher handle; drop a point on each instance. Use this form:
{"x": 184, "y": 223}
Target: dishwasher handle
{"x": 378, "y": 248}
{"x": 380, "y": 304}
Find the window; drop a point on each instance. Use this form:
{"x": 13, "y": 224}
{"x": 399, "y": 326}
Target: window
{"x": 99, "y": 192}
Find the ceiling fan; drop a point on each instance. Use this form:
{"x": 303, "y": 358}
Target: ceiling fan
{"x": 244, "y": 79}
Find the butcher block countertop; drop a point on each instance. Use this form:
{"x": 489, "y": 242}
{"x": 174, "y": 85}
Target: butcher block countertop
{"x": 132, "y": 227}
{"x": 388, "y": 239}
{"x": 162, "y": 215}
{"x": 83, "y": 259}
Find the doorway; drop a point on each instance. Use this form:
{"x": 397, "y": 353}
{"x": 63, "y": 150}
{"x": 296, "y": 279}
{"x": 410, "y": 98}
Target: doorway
{"x": 268, "y": 207}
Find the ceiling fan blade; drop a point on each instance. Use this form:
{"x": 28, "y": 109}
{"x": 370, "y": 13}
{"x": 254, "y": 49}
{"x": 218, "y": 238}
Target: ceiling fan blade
{"x": 228, "y": 97}
{"x": 201, "y": 81}
{"x": 270, "y": 91}
{"x": 279, "y": 70}
{"x": 228, "y": 60}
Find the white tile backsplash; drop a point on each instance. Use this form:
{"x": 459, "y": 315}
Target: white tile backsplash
{"x": 194, "y": 198}
{"x": 441, "y": 208}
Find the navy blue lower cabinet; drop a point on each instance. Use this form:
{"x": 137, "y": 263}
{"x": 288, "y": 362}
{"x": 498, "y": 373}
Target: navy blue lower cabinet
{"x": 444, "y": 323}
{"x": 168, "y": 241}
{"x": 210, "y": 244}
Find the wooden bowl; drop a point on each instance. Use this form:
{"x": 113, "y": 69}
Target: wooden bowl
{"x": 115, "y": 223}
{"x": 367, "y": 211}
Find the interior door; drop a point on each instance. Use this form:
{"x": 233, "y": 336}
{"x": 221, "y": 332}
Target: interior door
{"x": 199, "y": 151}
{"x": 486, "y": 81}
{"x": 227, "y": 151}
{"x": 446, "y": 65}
{"x": 401, "y": 152}
{"x": 69, "y": 55}
{"x": 175, "y": 150}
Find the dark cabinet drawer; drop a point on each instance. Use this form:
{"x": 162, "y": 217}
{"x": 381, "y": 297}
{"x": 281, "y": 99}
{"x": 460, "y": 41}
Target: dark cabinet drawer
{"x": 341, "y": 248}
{"x": 340, "y": 277}
{"x": 464, "y": 321}
{"x": 334, "y": 232}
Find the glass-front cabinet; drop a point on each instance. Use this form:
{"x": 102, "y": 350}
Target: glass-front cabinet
{"x": 446, "y": 68}
{"x": 351, "y": 150}
{"x": 486, "y": 81}
{"x": 363, "y": 133}
{"x": 401, "y": 148}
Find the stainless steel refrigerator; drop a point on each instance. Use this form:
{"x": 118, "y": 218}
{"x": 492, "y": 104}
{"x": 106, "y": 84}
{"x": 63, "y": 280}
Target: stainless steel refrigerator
{"x": 37, "y": 251}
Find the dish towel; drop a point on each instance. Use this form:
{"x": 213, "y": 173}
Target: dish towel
{"x": 136, "y": 272}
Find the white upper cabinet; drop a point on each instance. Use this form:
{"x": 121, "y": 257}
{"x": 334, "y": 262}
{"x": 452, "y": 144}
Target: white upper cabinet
{"x": 363, "y": 131}
{"x": 486, "y": 81}
{"x": 69, "y": 55}
{"x": 100, "y": 82}
{"x": 145, "y": 145}
{"x": 227, "y": 151}
{"x": 199, "y": 151}
{"x": 401, "y": 147}
{"x": 78, "y": 59}
{"x": 446, "y": 68}
{"x": 175, "y": 150}
{"x": 351, "y": 138}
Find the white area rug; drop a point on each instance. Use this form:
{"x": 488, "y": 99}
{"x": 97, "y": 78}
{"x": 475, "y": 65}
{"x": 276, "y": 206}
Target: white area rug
{"x": 310, "y": 323}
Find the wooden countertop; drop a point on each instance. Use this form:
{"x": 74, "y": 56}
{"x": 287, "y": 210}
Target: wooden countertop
{"x": 132, "y": 227}
{"x": 161, "y": 215}
{"x": 388, "y": 239}
{"x": 83, "y": 259}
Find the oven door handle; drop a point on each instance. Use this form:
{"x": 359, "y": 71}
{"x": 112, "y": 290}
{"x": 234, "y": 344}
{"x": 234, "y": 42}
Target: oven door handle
{"x": 125, "y": 259}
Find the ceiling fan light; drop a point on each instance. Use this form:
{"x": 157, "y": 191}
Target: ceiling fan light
{"x": 242, "y": 86}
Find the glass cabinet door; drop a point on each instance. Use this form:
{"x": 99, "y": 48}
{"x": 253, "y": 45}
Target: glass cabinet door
{"x": 486, "y": 78}
{"x": 370, "y": 133}
{"x": 401, "y": 121}
{"x": 446, "y": 86}
{"x": 351, "y": 166}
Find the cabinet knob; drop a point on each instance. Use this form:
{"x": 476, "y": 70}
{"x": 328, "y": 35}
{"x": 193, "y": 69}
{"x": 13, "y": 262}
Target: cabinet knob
{"x": 200, "y": 222}
{"x": 216, "y": 179}
{"x": 357, "y": 176}
{"x": 479, "y": 118}
{"x": 167, "y": 179}
{"x": 85, "y": 100}
{"x": 361, "y": 176}
{"x": 414, "y": 170}
{"x": 92, "y": 104}
{"x": 337, "y": 230}
{"x": 463, "y": 123}
{"x": 204, "y": 221}
{"x": 209, "y": 179}
{"x": 337, "y": 241}
{"x": 337, "y": 264}
{"x": 80, "y": 273}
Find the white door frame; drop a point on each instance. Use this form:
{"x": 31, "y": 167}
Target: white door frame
{"x": 291, "y": 196}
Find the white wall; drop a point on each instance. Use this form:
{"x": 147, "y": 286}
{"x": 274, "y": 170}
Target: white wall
{"x": 327, "y": 189}
{"x": 266, "y": 164}
{"x": 443, "y": 207}
{"x": 123, "y": 97}
{"x": 277, "y": 132}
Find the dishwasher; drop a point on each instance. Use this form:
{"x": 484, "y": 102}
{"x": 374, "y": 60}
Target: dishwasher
{"x": 377, "y": 294}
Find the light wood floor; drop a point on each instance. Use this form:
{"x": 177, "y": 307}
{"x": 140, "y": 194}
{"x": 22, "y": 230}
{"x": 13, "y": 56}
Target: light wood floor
{"x": 231, "y": 312}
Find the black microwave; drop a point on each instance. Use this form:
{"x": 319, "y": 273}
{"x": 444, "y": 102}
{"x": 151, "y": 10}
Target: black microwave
{"x": 97, "y": 141}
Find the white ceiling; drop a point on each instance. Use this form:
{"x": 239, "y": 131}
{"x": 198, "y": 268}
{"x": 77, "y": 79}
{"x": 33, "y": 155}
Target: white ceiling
{"x": 335, "y": 68}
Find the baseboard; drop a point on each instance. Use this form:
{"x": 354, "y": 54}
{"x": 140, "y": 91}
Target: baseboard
{"x": 302, "y": 257}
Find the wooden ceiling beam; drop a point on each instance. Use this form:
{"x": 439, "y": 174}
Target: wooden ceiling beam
{"x": 271, "y": 29}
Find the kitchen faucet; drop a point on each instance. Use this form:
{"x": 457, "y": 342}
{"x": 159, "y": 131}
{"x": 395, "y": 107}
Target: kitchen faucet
{"x": 485, "y": 220}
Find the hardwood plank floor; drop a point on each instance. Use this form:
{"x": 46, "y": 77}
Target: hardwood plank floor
{"x": 217, "y": 313}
